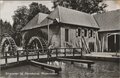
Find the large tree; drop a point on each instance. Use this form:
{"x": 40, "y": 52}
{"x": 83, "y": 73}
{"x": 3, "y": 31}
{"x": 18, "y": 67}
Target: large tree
{"x": 5, "y": 27}
{"x": 20, "y": 17}
{"x": 87, "y": 6}
{"x": 35, "y": 8}
{"x": 23, "y": 14}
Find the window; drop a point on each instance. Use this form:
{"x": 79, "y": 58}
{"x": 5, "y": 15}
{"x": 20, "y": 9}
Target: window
{"x": 85, "y": 32}
{"x": 91, "y": 33}
{"x": 66, "y": 35}
{"x": 79, "y": 32}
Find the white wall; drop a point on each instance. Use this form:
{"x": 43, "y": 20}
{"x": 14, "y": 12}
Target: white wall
{"x": 73, "y": 34}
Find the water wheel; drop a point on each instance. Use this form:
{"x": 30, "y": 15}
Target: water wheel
{"x": 8, "y": 45}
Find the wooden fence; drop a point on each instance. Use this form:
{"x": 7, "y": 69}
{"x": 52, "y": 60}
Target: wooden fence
{"x": 39, "y": 52}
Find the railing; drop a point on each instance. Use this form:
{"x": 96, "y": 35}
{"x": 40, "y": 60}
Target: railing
{"x": 85, "y": 45}
{"x": 66, "y": 51}
{"x": 56, "y": 52}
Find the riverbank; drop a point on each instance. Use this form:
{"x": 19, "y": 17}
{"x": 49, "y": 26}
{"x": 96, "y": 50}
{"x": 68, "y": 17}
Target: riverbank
{"x": 103, "y": 56}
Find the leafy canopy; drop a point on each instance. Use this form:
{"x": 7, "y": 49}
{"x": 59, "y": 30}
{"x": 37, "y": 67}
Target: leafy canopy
{"x": 5, "y": 28}
{"x": 87, "y": 6}
{"x": 23, "y": 14}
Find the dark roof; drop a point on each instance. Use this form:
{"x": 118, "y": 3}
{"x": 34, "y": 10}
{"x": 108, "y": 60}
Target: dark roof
{"x": 35, "y": 22}
{"x": 69, "y": 16}
{"x": 109, "y": 21}
{"x": 64, "y": 15}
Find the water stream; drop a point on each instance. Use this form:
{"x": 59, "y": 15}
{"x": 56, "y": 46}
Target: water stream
{"x": 99, "y": 70}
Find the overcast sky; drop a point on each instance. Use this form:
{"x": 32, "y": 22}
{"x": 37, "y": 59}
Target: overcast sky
{"x": 7, "y": 8}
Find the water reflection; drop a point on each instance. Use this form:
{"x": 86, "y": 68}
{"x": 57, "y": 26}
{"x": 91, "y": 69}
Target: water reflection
{"x": 99, "y": 70}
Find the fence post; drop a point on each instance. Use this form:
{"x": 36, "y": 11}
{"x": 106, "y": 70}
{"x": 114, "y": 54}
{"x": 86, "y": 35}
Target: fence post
{"x": 38, "y": 53}
{"x": 73, "y": 52}
{"x": 6, "y": 58}
{"x": 47, "y": 53}
{"x": 56, "y": 52}
{"x": 65, "y": 51}
{"x": 43, "y": 51}
{"x": 17, "y": 57}
{"x": 27, "y": 55}
{"x": 81, "y": 51}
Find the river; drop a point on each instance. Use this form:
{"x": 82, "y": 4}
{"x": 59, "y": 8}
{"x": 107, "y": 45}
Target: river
{"x": 77, "y": 70}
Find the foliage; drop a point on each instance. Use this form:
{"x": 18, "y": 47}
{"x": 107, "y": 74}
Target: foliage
{"x": 35, "y": 8}
{"x": 20, "y": 17}
{"x": 23, "y": 14}
{"x": 87, "y": 6}
{"x": 5, "y": 27}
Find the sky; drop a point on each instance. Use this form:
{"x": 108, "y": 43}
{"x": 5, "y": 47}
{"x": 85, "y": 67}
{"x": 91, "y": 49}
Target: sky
{"x": 7, "y": 8}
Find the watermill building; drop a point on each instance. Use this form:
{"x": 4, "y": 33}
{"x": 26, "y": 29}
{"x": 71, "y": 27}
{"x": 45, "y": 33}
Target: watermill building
{"x": 64, "y": 28}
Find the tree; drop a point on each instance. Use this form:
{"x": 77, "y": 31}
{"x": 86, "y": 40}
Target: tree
{"x": 35, "y": 8}
{"x": 5, "y": 27}
{"x": 20, "y": 18}
{"x": 1, "y": 24}
{"x": 23, "y": 14}
{"x": 87, "y": 6}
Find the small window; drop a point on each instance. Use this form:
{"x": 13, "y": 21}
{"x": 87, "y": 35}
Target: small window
{"x": 66, "y": 35}
{"x": 91, "y": 33}
{"x": 79, "y": 32}
{"x": 85, "y": 32}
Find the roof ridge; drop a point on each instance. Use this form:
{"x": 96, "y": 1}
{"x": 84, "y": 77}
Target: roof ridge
{"x": 74, "y": 10}
{"x": 39, "y": 16}
{"x": 34, "y": 21}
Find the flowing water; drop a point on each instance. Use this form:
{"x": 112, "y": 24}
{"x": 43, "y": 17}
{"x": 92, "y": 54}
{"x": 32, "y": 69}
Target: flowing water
{"x": 99, "y": 70}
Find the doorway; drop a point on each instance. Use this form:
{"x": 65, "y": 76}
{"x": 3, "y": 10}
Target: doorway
{"x": 66, "y": 35}
{"x": 114, "y": 43}
{"x": 91, "y": 46}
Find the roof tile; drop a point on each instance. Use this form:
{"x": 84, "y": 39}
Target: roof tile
{"x": 108, "y": 21}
